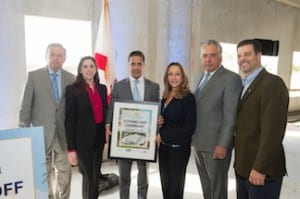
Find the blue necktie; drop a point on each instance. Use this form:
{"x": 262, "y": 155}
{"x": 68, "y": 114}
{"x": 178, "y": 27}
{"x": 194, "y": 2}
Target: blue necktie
{"x": 244, "y": 86}
{"x": 55, "y": 86}
{"x": 136, "y": 92}
{"x": 206, "y": 78}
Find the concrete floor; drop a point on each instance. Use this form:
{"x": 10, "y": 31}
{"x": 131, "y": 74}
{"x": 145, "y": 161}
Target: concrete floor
{"x": 290, "y": 189}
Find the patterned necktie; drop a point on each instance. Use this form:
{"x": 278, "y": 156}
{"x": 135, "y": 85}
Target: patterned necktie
{"x": 136, "y": 92}
{"x": 55, "y": 86}
{"x": 203, "y": 83}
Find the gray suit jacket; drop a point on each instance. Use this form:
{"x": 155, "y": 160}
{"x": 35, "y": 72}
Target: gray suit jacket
{"x": 122, "y": 90}
{"x": 39, "y": 107}
{"x": 216, "y": 111}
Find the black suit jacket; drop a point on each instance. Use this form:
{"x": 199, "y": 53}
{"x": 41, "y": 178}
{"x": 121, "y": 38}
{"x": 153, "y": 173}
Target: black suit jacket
{"x": 80, "y": 123}
{"x": 179, "y": 120}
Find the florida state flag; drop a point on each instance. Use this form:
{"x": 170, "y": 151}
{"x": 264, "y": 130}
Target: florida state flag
{"x": 104, "y": 50}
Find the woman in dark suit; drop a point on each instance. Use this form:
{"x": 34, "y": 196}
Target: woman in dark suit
{"x": 86, "y": 104}
{"x": 175, "y": 135}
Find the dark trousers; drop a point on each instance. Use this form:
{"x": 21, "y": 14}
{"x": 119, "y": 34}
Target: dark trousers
{"x": 246, "y": 190}
{"x": 172, "y": 167}
{"x": 89, "y": 163}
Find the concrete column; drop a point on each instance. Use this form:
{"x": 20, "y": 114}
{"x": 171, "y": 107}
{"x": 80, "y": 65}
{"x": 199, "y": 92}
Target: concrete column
{"x": 170, "y": 36}
{"x": 180, "y": 32}
{"x": 12, "y": 56}
{"x": 129, "y": 23}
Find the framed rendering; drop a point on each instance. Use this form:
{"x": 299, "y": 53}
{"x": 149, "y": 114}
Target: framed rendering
{"x": 134, "y": 128}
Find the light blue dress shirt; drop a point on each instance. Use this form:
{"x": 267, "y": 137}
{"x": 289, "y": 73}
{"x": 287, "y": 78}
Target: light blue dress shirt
{"x": 247, "y": 80}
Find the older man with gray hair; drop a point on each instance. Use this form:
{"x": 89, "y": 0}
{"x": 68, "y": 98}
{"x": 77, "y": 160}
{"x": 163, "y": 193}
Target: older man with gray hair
{"x": 216, "y": 100}
{"x": 44, "y": 105}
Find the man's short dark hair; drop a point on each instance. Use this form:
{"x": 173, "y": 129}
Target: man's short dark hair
{"x": 137, "y": 53}
{"x": 255, "y": 43}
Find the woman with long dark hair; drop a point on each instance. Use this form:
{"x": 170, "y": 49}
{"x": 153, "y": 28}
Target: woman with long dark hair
{"x": 86, "y": 104}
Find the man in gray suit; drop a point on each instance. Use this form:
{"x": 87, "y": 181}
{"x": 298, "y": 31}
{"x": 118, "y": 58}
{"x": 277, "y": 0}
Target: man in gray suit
{"x": 44, "y": 105}
{"x": 126, "y": 89}
{"x": 216, "y": 99}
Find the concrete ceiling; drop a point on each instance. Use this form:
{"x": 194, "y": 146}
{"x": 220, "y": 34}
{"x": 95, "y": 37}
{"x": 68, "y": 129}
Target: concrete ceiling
{"x": 292, "y": 3}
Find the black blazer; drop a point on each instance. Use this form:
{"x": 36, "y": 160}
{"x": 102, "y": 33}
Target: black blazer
{"x": 179, "y": 120}
{"x": 80, "y": 123}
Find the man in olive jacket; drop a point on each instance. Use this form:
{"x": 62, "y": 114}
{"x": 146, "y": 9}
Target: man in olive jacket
{"x": 260, "y": 127}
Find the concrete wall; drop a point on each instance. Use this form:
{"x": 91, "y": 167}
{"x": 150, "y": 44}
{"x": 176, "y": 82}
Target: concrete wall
{"x": 161, "y": 28}
{"x": 231, "y": 21}
{"x": 12, "y": 48}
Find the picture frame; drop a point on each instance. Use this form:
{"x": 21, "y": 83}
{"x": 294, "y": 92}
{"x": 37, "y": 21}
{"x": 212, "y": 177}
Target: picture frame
{"x": 134, "y": 129}
{"x": 23, "y": 147}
